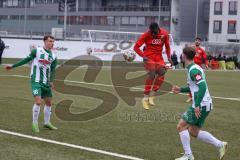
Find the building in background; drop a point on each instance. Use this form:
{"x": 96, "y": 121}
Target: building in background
{"x": 194, "y": 19}
{"x": 224, "y": 23}
{"x": 37, "y": 17}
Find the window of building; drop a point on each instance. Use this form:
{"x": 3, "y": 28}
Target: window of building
{"x": 125, "y": 20}
{"x": 3, "y": 17}
{"x": 49, "y": 1}
{"x": 218, "y": 6}
{"x": 87, "y": 20}
{"x": 141, "y": 21}
{"x": 232, "y": 24}
{"x": 12, "y": 3}
{"x": 110, "y": 20}
{"x": 14, "y": 17}
{"x": 232, "y": 8}
{"x": 103, "y": 20}
{"x": 100, "y": 20}
{"x": 234, "y": 40}
{"x": 165, "y": 21}
{"x": 60, "y": 19}
{"x": 117, "y": 21}
{"x": 35, "y": 17}
{"x": 133, "y": 21}
{"x": 17, "y": 3}
{"x": 73, "y": 20}
{"x": 40, "y": 1}
{"x": 151, "y": 19}
{"x": 51, "y": 17}
{"x": 217, "y": 26}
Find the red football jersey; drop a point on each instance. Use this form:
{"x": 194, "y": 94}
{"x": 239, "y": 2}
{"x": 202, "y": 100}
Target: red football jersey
{"x": 200, "y": 57}
{"x": 153, "y": 45}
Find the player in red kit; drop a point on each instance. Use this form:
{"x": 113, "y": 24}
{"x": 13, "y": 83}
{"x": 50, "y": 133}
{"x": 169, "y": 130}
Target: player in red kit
{"x": 201, "y": 56}
{"x": 154, "y": 39}
{"x": 199, "y": 59}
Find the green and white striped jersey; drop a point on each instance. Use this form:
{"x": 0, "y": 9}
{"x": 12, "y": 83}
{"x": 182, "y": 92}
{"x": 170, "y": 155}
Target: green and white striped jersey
{"x": 43, "y": 65}
{"x": 196, "y": 76}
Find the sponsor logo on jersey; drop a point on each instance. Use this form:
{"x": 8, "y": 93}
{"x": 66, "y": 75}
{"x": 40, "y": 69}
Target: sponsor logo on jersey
{"x": 44, "y": 61}
{"x": 157, "y": 41}
{"x": 198, "y": 77}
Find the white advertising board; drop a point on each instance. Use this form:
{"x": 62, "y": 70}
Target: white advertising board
{"x": 20, "y": 48}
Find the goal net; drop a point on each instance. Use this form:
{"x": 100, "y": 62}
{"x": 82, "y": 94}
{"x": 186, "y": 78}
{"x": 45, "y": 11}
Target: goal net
{"x": 106, "y": 44}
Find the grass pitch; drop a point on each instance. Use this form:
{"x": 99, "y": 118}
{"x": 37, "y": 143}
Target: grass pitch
{"x": 128, "y": 130}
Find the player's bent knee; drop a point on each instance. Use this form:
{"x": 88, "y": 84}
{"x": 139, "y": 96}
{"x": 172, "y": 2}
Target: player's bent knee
{"x": 162, "y": 71}
{"x": 193, "y": 131}
{"x": 38, "y": 103}
{"x": 48, "y": 103}
{"x": 179, "y": 128}
{"x": 182, "y": 125}
{"x": 151, "y": 74}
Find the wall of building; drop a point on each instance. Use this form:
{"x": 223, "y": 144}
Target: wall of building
{"x": 95, "y": 15}
{"x": 108, "y": 15}
{"x": 188, "y": 12}
{"x": 224, "y": 36}
{"x": 175, "y": 20}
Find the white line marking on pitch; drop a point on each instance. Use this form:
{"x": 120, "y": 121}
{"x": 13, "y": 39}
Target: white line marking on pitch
{"x": 70, "y": 145}
{"x": 108, "y": 85}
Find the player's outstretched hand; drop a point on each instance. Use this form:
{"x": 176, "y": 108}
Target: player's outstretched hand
{"x": 176, "y": 89}
{"x": 8, "y": 68}
{"x": 145, "y": 59}
{"x": 170, "y": 61}
{"x": 207, "y": 67}
{"x": 197, "y": 112}
{"x": 52, "y": 85}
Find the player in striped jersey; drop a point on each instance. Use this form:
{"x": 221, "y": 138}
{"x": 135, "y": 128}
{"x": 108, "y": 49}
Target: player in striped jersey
{"x": 193, "y": 119}
{"x": 42, "y": 75}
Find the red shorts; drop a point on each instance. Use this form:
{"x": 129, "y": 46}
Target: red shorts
{"x": 154, "y": 64}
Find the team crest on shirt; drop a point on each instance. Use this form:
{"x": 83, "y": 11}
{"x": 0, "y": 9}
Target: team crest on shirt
{"x": 198, "y": 77}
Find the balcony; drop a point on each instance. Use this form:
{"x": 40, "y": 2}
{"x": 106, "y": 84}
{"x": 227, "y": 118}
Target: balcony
{"x": 126, "y": 8}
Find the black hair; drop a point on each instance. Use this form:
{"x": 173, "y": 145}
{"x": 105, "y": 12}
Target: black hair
{"x": 154, "y": 28}
{"x": 198, "y": 38}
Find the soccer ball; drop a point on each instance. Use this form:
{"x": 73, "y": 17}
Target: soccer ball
{"x": 129, "y": 55}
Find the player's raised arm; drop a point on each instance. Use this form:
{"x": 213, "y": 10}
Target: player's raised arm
{"x": 138, "y": 45}
{"x": 29, "y": 58}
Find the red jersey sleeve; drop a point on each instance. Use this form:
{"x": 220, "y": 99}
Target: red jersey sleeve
{"x": 138, "y": 44}
{"x": 204, "y": 57}
{"x": 167, "y": 46}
